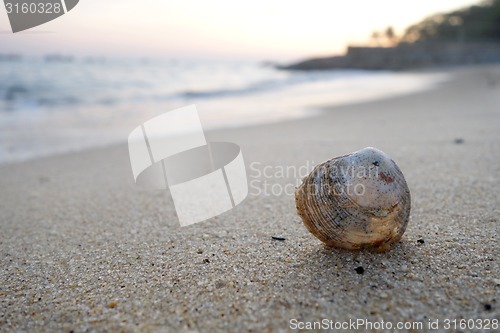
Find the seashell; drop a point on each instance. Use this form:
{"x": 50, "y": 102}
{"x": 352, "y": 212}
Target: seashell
{"x": 355, "y": 201}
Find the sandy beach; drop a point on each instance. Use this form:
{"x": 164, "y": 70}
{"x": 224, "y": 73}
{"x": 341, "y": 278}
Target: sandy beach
{"x": 82, "y": 249}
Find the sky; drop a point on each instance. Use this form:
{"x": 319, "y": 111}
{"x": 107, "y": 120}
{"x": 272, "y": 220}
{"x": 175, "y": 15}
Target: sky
{"x": 257, "y": 29}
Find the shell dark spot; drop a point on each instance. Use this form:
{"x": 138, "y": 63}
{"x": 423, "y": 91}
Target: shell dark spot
{"x": 385, "y": 178}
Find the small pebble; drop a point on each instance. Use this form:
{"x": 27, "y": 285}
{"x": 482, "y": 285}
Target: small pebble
{"x": 43, "y": 179}
{"x": 206, "y": 261}
{"x": 112, "y": 304}
{"x": 420, "y": 241}
{"x": 200, "y": 251}
{"x": 278, "y": 238}
{"x": 459, "y": 141}
{"x": 360, "y": 270}
{"x": 487, "y": 307}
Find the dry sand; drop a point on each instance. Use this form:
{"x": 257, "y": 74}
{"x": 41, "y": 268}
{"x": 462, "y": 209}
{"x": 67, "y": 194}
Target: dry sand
{"x": 82, "y": 249}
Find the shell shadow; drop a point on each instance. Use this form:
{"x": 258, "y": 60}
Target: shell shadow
{"x": 330, "y": 267}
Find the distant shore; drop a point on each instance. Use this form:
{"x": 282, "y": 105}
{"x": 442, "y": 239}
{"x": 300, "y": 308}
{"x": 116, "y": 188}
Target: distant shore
{"x": 405, "y": 56}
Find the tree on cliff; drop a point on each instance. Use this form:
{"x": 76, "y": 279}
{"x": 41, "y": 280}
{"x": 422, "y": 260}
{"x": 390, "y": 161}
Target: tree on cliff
{"x": 375, "y": 38}
{"x": 476, "y": 23}
{"x": 388, "y": 37}
{"x": 389, "y": 33}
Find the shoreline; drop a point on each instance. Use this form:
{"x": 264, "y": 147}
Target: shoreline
{"x": 25, "y": 140}
{"x": 83, "y": 249}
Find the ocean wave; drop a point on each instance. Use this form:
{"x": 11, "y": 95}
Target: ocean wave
{"x": 271, "y": 84}
{"x": 39, "y": 84}
{"x": 18, "y": 96}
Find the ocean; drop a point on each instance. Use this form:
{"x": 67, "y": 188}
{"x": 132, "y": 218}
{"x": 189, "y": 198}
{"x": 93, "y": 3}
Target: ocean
{"x": 54, "y": 104}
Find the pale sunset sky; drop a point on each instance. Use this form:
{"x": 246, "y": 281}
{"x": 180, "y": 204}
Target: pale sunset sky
{"x": 272, "y": 29}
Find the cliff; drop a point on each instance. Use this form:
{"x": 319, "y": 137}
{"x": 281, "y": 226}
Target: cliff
{"x": 406, "y": 56}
